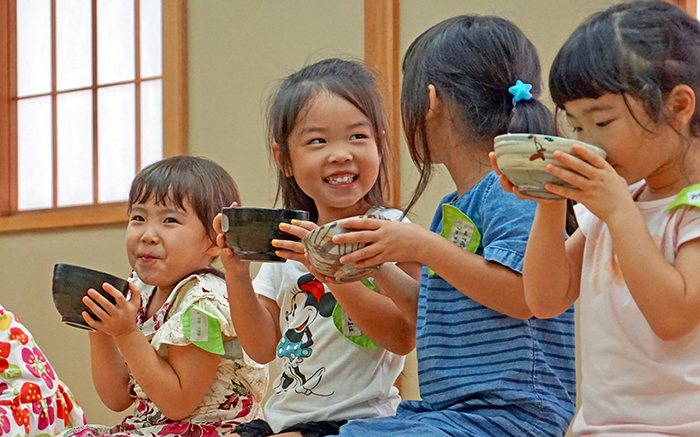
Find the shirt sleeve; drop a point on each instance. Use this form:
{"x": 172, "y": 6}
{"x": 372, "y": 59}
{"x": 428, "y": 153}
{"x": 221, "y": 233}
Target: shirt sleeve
{"x": 689, "y": 226}
{"x": 199, "y": 315}
{"x": 506, "y": 223}
{"x": 267, "y": 281}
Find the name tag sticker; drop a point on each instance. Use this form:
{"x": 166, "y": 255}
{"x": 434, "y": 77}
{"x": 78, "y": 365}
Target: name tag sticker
{"x": 694, "y": 197}
{"x": 199, "y": 326}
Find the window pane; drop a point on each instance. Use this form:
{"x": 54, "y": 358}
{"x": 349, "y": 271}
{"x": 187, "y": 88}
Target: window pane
{"x": 151, "y": 121}
{"x": 73, "y": 44}
{"x": 34, "y": 154}
{"x": 116, "y": 141}
{"x": 33, "y": 47}
{"x": 115, "y": 41}
{"x": 151, "y": 38}
{"x": 74, "y": 166}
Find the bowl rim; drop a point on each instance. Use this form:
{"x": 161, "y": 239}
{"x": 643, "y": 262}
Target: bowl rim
{"x": 91, "y": 271}
{"x": 506, "y": 139}
{"x": 255, "y": 208}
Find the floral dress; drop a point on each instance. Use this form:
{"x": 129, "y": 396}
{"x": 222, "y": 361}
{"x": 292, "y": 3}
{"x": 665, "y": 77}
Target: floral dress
{"x": 237, "y": 393}
{"x": 33, "y": 401}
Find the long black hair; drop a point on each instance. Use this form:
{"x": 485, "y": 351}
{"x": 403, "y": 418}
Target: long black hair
{"x": 471, "y": 60}
{"x": 347, "y": 79}
{"x": 641, "y": 49}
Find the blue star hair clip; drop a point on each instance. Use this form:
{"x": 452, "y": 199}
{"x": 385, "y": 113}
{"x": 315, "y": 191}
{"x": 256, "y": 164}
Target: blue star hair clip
{"x": 520, "y": 91}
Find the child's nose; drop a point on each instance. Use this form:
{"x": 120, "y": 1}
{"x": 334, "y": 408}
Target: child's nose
{"x": 149, "y": 235}
{"x": 340, "y": 153}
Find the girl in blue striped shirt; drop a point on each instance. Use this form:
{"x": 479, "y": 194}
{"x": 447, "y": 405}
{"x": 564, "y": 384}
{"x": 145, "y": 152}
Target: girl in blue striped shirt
{"x": 485, "y": 366}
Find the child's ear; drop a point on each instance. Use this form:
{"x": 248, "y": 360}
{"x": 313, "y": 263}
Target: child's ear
{"x": 435, "y": 104}
{"x": 277, "y": 154}
{"x": 680, "y": 106}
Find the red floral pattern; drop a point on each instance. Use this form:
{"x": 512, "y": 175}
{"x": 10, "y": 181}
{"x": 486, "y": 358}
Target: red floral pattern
{"x": 31, "y": 400}
{"x": 37, "y": 363}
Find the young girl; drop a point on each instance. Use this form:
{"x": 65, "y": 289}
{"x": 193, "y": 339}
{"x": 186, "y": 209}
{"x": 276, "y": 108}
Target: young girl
{"x": 338, "y": 347}
{"x": 485, "y": 367}
{"x": 33, "y": 401}
{"x": 169, "y": 348}
{"x": 628, "y": 79}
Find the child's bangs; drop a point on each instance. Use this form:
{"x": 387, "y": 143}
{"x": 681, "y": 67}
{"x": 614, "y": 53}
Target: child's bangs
{"x": 588, "y": 67}
{"x": 161, "y": 190}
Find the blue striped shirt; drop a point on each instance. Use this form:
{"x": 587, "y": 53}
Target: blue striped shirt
{"x": 482, "y": 373}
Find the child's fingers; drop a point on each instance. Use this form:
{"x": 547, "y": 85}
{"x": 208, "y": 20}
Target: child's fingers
{"x": 292, "y": 246}
{"x": 221, "y": 241}
{"x": 309, "y": 226}
{"x": 291, "y": 255}
{"x": 589, "y": 155}
{"x": 366, "y": 237}
{"x": 116, "y": 294}
{"x": 360, "y": 256}
{"x": 90, "y": 321}
{"x": 369, "y": 224}
{"x": 567, "y": 175}
{"x": 135, "y": 294}
{"x": 294, "y": 229}
{"x": 216, "y": 224}
{"x": 494, "y": 164}
{"x": 92, "y": 301}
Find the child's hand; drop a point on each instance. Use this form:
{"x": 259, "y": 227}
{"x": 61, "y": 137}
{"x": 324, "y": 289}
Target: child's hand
{"x": 233, "y": 264}
{"x": 598, "y": 186}
{"x": 387, "y": 240}
{"x": 294, "y": 250}
{"x": 115, "y": 320}
{"x": 510, "y": 187}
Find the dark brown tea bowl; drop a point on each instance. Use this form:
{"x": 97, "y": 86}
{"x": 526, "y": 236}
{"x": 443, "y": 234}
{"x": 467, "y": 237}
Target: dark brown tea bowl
{"x": 250, "y": 231}
{"x": 70, "y": 284}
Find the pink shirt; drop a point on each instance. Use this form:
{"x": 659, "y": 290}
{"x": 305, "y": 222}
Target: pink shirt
{"x": 634, "y": 383}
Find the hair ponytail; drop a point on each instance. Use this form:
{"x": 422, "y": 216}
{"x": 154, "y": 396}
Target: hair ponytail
{"x": 531, "y": 117}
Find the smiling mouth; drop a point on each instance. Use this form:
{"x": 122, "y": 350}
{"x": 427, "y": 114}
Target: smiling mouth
{"x": 301, "y": 327}
{"x": 341, "y": 179}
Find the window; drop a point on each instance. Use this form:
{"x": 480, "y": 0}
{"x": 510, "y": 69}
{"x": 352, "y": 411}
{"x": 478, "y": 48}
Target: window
{"x": 91, "y": 91}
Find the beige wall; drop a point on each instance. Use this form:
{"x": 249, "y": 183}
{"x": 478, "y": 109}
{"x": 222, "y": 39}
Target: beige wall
{"x": 237, "y": 49}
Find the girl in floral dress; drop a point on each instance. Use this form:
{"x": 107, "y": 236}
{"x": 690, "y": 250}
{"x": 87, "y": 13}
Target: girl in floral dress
{"x": 170, "y": 349}
{"x": 33, "y": 401}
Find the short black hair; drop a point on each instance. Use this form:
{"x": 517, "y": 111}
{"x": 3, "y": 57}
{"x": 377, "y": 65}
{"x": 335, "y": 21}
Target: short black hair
{"x": 641, "y": 49}
{"x": 204, "y": 183}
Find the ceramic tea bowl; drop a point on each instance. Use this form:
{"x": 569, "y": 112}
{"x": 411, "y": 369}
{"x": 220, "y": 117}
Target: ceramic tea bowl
{"x": 522, "y": 158}
{"x": 70, "y": 283}
{"x": 325, "y": 255}
{"x": 250, "y": 231}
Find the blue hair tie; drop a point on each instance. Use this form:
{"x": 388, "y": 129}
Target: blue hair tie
{"x": 520, "y": 91}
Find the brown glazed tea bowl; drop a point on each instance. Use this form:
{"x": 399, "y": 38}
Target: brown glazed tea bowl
{"x": 70, "y": 283}
{"x": 250, "y": 231}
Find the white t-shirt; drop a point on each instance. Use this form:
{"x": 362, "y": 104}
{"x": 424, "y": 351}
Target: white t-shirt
{"x": 633, "y": 383}
{"x": 328, "y": 369}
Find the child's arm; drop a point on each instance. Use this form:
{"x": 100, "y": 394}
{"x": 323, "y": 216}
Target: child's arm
{"x": 401, "y": 282}
{"x": 255, "y": 318}
{"x": 376, "y": 314}
{"x": 176, "y": 385}
{"x": 488, "y": 283}
{"x": 552, "y": 265}
{"x": 109, "y": 372}
{"x": 668, "y": 295}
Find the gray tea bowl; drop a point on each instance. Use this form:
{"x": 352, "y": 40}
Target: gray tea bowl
{"x": 70, "y": 283}
{"x": 250, "y": 231}
{"x": 523, "y": 159}
{"x": 324, "y": 254}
